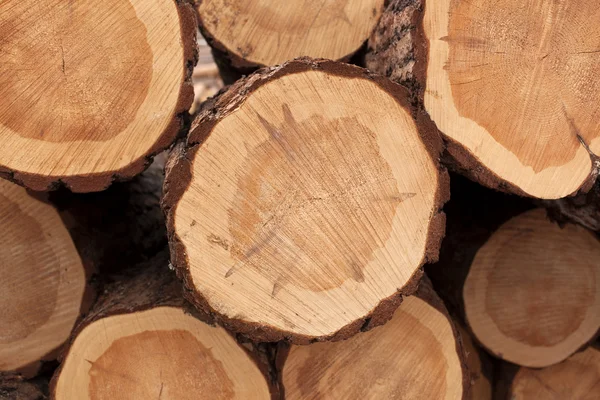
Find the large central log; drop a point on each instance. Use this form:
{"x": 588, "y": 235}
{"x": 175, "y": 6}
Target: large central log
{"x": 305, "y": 202}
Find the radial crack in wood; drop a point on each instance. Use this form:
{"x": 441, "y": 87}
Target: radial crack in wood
{"x": 91, "y": 91}
{"x": 42, "y": 283}
{"x": 416, "y": 355}
{"x": 141, "y": 340}
{"x": 576, "y": 378}
{"x": 305, "y": 202}
{"x": 253, "y": 33}
{"x": 532, "y": 296}
{"x": 516, "y": 98}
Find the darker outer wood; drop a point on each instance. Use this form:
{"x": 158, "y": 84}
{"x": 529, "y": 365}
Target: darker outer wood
{"x": 100, "y": 181}
{"x": 146, "y": 286}
{"x": 426, "y": 293}
{"x": 399, "y": 49}
{"x": 179, "y": 176}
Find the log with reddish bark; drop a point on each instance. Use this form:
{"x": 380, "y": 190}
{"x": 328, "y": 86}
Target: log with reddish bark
{"x": 141, "y": 338}
{"x": 417, "y": 355}
{"x": 304, "y": 202}
{"x": 514, "y": 97}
{"x": 91, "y": 91}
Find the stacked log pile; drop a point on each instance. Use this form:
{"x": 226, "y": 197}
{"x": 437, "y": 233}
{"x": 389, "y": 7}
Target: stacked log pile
{"x": 390, "y": 199}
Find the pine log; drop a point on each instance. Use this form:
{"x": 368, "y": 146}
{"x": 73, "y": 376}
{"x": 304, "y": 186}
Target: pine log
{"x": 55, "y": 246}
{"x": 576, "y": 378}
{"x": 91, "y": 91}
{"x": 142, "y": 339}
{"x": 247, "y": 34}
{"x": 511, "y": 95}
{"x": 417, "y": 355}
{"x": 304, "y": 202}
{"x": 525, "y": 287}
{"x": 44, "y": 282}
{"x": 532, "y": 296}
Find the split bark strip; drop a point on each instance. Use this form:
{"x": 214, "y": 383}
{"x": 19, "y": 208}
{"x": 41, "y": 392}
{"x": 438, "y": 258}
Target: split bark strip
{"x": 527, "y": 287}
{"x": 576, "y": 378}
{"x": 142, "y": 338}
{"x": 480, "y": 367}
{"x": 417, "y": 355}
{"x": 305, "y": 202}
{"x": 55, "y": 244}
{"x": 59, "y": 126}
{"x": 514, "y": 115}
{"x": 247, "y": 34}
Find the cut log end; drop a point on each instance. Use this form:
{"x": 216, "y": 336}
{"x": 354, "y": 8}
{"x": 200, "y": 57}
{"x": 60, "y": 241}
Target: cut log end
{"x": 503, "y": 92}
{"x": 257, "y": 33}
{"x": 154, "y": 354}
{"x": 43, "y": 280}
{"x": 416, "y": 355}
{"x": 532, "y": 296}
{"x": 312, "y": 202}
{"x": 576, "y": 378}
{"x": 90, "y": 91}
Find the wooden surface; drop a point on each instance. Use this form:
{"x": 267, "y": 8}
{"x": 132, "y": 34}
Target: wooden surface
{"x": 515, "y": 98}
{"x": 414, "y": 356}
{"x": 532, "y": 296}
{"x": 269, "y": 32}
{"x": 306, "y": 209}
{"x": 90, "y": 90}
{"x": 42, "y": 279}
{"x": 577, "y": 378}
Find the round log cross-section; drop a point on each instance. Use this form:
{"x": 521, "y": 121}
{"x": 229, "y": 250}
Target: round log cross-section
{"x": 304, "y": 202}
{"x": 89, "y": 91}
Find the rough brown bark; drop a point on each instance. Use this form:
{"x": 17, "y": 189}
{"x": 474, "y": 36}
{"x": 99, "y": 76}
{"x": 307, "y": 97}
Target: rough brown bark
{"x": 152, "y": 284}
{"x": 15, "y": 387}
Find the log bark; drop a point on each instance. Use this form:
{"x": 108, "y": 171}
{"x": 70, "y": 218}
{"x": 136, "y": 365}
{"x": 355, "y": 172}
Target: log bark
{"x": 59, "y": 247}
{"x": 247, "y": 35}
{"x": 113, "y": 90}
{"x": 576, "y": 378}
{"x": 16, "y": 387}
{"x": 525, "y": 287}
{"x": 418, "y": 354}
{"x": 502, "y": 93}
{"x": 298, "y": 202}
{"x": 142, "y": 338}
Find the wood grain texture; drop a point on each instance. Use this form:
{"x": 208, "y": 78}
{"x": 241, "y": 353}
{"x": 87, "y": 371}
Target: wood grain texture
{"x": 531, "y": 296}
{"x": 284, "y": 193}
{"x": 255, "y": 33}
{"x": 515, "y": 115}
{"x": 104, "y": 87}
{"x": 43, "y": 281}
{"x": 142, "y": 340}
{"x": 576, "y": 378}
{"x": 418, "y": 354}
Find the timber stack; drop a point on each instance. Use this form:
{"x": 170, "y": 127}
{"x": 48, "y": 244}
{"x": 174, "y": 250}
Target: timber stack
{"x": 390, "y": 199}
